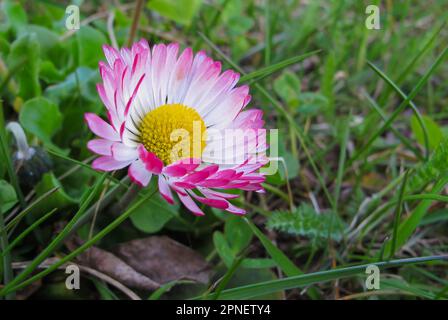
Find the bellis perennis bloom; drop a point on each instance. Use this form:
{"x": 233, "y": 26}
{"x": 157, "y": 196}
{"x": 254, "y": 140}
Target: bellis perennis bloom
{"x": 177, "y": 116}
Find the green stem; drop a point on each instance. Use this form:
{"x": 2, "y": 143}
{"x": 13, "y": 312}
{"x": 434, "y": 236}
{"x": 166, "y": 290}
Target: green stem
{"x": 7, "y": 264}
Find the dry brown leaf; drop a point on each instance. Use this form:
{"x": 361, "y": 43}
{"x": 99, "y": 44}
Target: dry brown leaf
{"x": 163, "y": 260}
{"x": 116, "y": 268}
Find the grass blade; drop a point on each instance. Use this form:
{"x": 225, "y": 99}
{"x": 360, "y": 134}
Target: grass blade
{"x": 267, "y": 287}
{"x": 403, "y": 96}
{"x": 287, "y": 266}
{"x": 80, "y": 249}
{"x": 56, "y": 241}
{"x": 266, "y": 71}
{"x": 398, "y": 214}
{"x": 400, "y": 108}
{"x": 27, "y": 231}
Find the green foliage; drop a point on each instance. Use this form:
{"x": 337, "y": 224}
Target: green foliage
{"x": 41, "y": 117}
{"x": 435, "y": 169}
{"x": 306, "y": 222}
{"x": 435, "y": 134}
{"x": 90, "y": 42}
{"x": 287, "y": 86}
{"x": 24, "y": 55}
{"x": 153, "y": 214}
{"x": 8, "y": 197}
{"x": 181, "y": 11}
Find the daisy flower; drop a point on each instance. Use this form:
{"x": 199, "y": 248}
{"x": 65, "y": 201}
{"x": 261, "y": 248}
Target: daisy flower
{"x": 169, "y": 115}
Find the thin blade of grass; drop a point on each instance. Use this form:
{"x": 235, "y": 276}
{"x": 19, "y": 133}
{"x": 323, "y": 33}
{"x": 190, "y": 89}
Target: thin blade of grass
{"x": 5, "y": 258}
{"x": 397, "y": 133}
{"x": 408, "y": 226}
{"x": 411, "y": 104}
{"x": 398, "y": 210}
{"x": 400, "y": 108}
{"x": 266, "y": 71}
{"x": 11, "y": 224}
{"x": 58, "y": 239}
{"x": 283, "y": 262}
{"x": 267, "y": 287}
{"x": 27, "y": 231}
{"x": 101, "y": 234}
{"x": 267, "y": 33}
{"x": 414, "y": 61}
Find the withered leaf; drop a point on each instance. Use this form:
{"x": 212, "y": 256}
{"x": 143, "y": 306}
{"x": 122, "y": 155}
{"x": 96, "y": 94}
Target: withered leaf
{"x": 163, "y": 260}
{"x": 116, "y": 268}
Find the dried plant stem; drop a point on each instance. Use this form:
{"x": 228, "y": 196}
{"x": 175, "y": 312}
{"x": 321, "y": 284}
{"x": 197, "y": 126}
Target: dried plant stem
{"x": 135, "y": 21}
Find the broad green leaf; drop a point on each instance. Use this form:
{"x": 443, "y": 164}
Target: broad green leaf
{"x": 239, "y": 25}
{"x": 8, "y": 197}
{"x": 15, "y": 14}
{"x": 287, "y": 86}
{"x": 49, "y": 73}
{"x": 81, "y": 81}
{"x": 435, "y": 134}
{"x": 181, "y": 11}
{"x": 223, "y": 248}
{"x": 47, "y": 39}
{"x": 153, "y": 214}
{"x": 41, "y": 117}
{"x": 25, "y": 53}
{"x": 312, "y": 103}
{"x": 238, "y": 233}
{"x": 90, "y": 42}
{"x": 59, "y": 199}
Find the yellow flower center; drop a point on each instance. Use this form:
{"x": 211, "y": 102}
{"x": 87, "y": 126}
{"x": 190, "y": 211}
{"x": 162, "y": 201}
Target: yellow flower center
{"x": 173, "y": 132}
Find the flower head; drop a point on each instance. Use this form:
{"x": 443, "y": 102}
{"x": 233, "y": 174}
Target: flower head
{"x": 177, "y": 116}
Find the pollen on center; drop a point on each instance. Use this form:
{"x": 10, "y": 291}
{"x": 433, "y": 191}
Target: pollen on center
{"x": 173, "y": 132}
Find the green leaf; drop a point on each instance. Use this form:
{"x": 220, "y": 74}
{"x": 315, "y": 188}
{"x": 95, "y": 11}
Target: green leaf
{"x": 312, "y": 103}
{"x": 81, "y": 81}
{"x": 435, "y": 134}
{"x": 434, "y": 169}
{"x": 8, "y": 197}
{"x": 46, "y": 38}
{"x": 287, "y": 86}
{"x": 181, "y": 11}
{"x": 59, "y": 199}
{"x": 15, "y": 14}
{"x": 407, "y": 227}
{"x": 240, "y": 25}
{"x": 25, "y": 53}
{"x": 243, "y": 277}
{"x": 49, "y": 73}
{"x": 287, "y": 266}
{"x": 307, "y": 223}
{"x": 90, "y": 42}
{"x": 238, "y": 233}
{"x": 258, "y": 263}
{"x": 223, "y": 248}
{"x": 153, "y": 214}
{"x": 41, "y": 117}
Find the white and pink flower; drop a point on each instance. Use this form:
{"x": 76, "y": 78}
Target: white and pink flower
{"x": 149, "y": 92}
